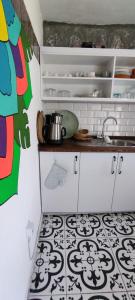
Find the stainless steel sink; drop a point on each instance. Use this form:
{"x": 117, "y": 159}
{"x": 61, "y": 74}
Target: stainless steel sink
{"x": 122, "y": 143}
{"x": 100, "y": 143}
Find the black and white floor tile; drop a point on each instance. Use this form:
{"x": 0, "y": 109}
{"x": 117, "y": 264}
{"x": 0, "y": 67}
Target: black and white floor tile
{"x": 121, "y": 224}
{"x": 52, "y": 227}
{"x": 85, "y": 257}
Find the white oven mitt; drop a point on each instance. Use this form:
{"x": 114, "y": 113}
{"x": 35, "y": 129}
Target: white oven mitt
{"x": 55, "y": 177}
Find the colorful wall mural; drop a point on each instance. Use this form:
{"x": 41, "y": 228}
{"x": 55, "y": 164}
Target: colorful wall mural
{"x": 15, "y": 97}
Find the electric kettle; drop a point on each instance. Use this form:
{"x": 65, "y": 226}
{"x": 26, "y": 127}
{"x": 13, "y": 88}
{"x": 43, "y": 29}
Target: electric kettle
{"x": 56, "y": 131}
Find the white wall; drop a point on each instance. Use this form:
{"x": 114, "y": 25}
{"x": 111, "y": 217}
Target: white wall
{"x": 15, "y": 264}
{"x": 34, "y": 12}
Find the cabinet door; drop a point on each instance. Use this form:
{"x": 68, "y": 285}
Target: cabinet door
{"x": 97, "y": 174}
{"x": 124, "y": 192}
{"x": 64, "y": 196}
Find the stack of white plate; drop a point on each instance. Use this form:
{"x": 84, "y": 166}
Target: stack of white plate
{"x": 123, "y": 71}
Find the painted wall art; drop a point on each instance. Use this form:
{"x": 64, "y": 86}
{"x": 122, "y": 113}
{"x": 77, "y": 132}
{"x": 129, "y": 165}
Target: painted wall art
{"x": 15, "y": 98}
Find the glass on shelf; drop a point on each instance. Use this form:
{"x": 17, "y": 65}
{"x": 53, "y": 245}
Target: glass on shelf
{"x": 50, "y": 92}
{"x": 117, "y": 95}
{"x": 63, "y": 93}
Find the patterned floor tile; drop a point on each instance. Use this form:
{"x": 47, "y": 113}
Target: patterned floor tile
{"x": 91, "y": 266}
{"x": 85, "y": 257}
{"x": 57, "y": 297}
{"x": 52, "y": 227}
{"x": 83, "y": 226}
{"x": 100, "y": 296}
{"x": 124, "y": 251}
{"x": 132, "y": 296}
{"x": 121, "y": 224}
{"x": 49, "y": 271}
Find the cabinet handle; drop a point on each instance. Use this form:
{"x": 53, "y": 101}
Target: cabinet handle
{"x": 75, "y": 164}
{"x": 120, "y": 165}
{"x": 113, "y": 164}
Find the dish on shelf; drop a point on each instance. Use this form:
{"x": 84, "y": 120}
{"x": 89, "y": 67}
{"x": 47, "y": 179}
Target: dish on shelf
{"x": 70, "y": 122}
{"x": 121, "y": 76}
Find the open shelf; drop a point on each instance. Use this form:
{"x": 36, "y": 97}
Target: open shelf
{"x": 62, "y": 63}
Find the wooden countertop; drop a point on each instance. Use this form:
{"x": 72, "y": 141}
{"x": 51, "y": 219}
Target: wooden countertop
{"x": 70, "y": 146}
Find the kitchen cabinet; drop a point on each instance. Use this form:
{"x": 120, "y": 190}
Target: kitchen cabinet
{"x": 63, "y": 197}
{"x": 97, "y": 176}
{"x": 86, "y": 75}
{"x": 94, "y": 182}
{"x": 124, "y": 188}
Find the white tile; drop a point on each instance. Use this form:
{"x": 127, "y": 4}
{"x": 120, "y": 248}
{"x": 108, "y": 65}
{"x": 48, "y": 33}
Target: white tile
{"x": 51, "y": 105}
{"x": 130, "y": 133}
{"x": 80, "y": 106}
{"x": 100, "y": 114}
{"x": 127, "y": 115}
{"x": 83, "y": 113}
{"x": 121, "y": 107}
{"x": 77, "y": 113}
{"x": 126, "y": 128}
{"x": 94, "y": 107}
{"x": 94, "y": 121}
{"x": 112, "y": 128}
{"x": 114, "y": 114}
{"x": 97, "y": 128}
{"x": 109, "y": 107}
{"x": 131, "y": 122}
{"x": 68, "y": 106}
{"x": 91, "y": 113}
{"x": 90, "y": 128}
{"x": 122, "y": 121}
{"x": 131, "y": 107}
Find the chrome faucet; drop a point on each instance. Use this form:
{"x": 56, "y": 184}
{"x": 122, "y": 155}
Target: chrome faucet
{"x": 103, "y": 128}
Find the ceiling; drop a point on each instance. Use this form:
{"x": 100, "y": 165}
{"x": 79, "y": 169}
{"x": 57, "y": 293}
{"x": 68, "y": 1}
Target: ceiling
{"x": 98, "y": 12}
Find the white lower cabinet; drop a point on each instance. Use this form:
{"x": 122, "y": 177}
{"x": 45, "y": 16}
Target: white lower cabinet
{"x": 96, "y": 184}
{"x": 87, "y": 182}
{"x": 124, "y": 189}
{"x": 59, "y": 181}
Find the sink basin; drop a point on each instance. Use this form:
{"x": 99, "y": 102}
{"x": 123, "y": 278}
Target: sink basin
{"x": 100, "y": 143}
{"x": 123, "y": 143}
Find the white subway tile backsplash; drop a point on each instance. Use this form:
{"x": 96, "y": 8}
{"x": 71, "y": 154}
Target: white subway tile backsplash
{"x": 114, "y": 114}
{"x": 131, "y": 122}
{"x": 91, "y": 130}
{"x": 83, "y": 121}
{"x": 84, "y": 113}
{"x": 68, "y": 106}
{"x": 80, "y": 106}
{"x": 132, "y": 107}
{"x": 51, "y": 105}
{"x": 112, "y": 128}
{"x": 127, "y": 115}
{"x": 94, "y": 121}
{"x": 121, "y": 107}
{"x": 107, "y": 106}
{"x": 77, "y": 113}
{"x": 94, "y": 107}
{"x": 92, "y": 115}
{"x": 100, "y": 114}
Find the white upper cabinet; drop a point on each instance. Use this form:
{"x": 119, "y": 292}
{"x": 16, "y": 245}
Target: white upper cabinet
{"x": 124, "y": 191}
{"x": 97, "y": 175}
{"x": 78, "y": 74}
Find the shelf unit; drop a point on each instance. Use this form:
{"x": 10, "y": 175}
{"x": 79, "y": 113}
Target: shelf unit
{"x": 71, "y": 69}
